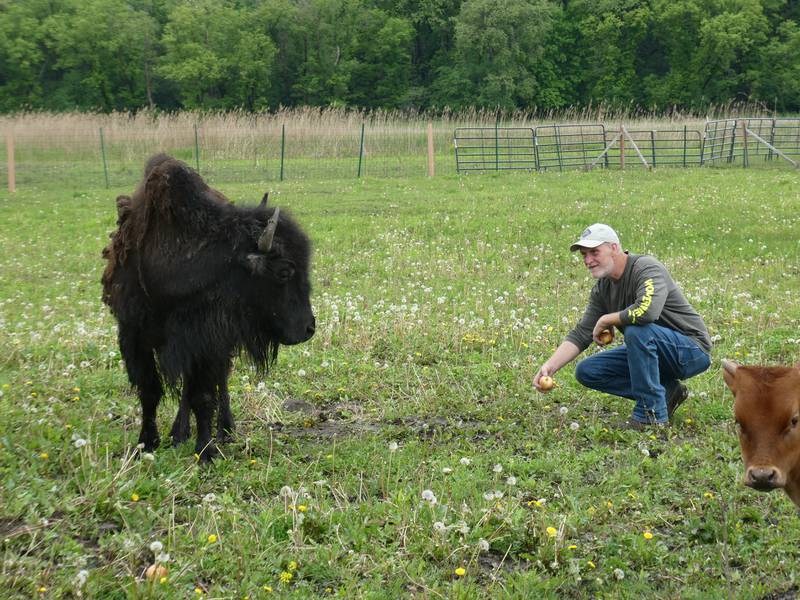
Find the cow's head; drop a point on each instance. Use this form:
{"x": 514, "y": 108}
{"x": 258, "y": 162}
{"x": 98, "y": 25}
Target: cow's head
{"x": 279, "y": 278}
{"x": 767, "y": 409}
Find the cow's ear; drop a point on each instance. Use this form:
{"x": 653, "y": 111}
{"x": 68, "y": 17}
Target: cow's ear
{"x": 729, "y": 374}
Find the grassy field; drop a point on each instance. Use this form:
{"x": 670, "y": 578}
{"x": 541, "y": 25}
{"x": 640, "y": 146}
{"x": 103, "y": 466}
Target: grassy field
{"x": 402, "y": 452}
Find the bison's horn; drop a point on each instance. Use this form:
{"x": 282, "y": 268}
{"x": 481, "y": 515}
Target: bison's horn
{"x": 265, "y": 241}
{"x": 729, "y": 366}
{"x": 264, "y": 201}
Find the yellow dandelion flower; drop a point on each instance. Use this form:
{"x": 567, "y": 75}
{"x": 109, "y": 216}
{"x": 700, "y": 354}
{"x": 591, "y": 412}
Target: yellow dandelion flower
{"x": 198, "y": 591}
{"x": 267, "y": 588}
{"x": 28, "y": 383}
{"x": 460, "y": 572}
{"x": 76, "y": 389}
{"x": 212, "y": 539}
{"x": 44, "y": 456}
{"x": 572, "y": 547}
{"x": 163, "y": 580}
{"x": 76, "y": 398}
{"x": 590, "y": 564}
{"x": 302, "y": 508}
{"x": 609, "y": 504}
{"x": 67, "y": 426}
{"x": 552, "y": 531}
{"x": 292, "y": 566}
{"x": 286, "y": 577}
{"x": 647, "y": 535}
{"x": 42, "y": 590}
{"x": 34, "y": 394}
{"x": 253, "y": 461}
{"x": 591, "y": 510}
{"x": 134, "y": 497}
{"x": 688, "y": 421}
{"x": 708, "y": 495}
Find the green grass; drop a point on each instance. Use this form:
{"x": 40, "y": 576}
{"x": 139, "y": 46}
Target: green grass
{"x": 436, "y": 301}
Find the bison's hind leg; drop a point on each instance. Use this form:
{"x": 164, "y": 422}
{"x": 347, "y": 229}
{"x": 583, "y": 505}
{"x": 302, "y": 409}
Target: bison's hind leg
{"x": 181, "y": 427}
{"x": 143, "y": 375}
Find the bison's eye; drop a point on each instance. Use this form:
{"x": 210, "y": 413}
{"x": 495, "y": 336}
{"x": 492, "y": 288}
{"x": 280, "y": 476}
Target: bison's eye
{"x": 285, "y": 274}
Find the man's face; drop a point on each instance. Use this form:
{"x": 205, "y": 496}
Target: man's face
{"x": 600, "y": 260}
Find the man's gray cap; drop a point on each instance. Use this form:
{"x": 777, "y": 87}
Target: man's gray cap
{"x": 594, "y": 235}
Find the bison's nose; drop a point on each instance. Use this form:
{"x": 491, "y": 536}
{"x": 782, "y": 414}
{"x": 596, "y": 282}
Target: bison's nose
{"x": 763, "y": 478}
{"x": 312, "y": 327}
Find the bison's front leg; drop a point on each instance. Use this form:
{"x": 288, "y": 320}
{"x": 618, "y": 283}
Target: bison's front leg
{"x": 201, "y": 392}
{"x": 225, "y": 424}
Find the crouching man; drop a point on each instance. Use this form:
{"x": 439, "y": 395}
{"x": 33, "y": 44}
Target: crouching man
{"x": 665, "y": 339}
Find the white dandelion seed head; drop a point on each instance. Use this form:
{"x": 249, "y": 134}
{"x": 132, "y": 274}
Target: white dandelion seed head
{"x": 286, "y": 491}
{"x": 462, "y": 527}
{"x": 301, "y": 372}
{"x": 210, "y": 497}
{"x": 156, "y": 547}
{"x": 393, "y": 446}
{"x": 483, "y": 545}
{"x": 619, "y": 574}
{"x": 488, "y": 496}
{"x": 511, "y": 480}
{"x": 447, "y": 470}
{"x": 162, "y": 557}
{"x": 498, "y": 468}
{"x": 465, "y": 461}
{"x": 80, "y": 443}
{"x": 429, "y": 496}
{"x": 574, "y": 426}
{"x": 439, "y": 527}
{"x": 563, "y": 410}
{"x": 148, "y": 456}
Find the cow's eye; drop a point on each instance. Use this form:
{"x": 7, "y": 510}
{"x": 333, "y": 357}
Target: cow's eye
{"x": 794, "y": 421}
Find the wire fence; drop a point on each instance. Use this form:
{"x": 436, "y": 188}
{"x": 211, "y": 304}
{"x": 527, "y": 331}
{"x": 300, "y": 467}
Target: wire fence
{"x": 249, "y": 149}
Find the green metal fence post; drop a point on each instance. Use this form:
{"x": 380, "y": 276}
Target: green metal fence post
{"x": 653, "y": 146}
{"x": 496, "y": 143}
{"x": 196, "y": 149}
{"x": 684, "y": 145}
{"x": 557, "y": 133}
{"x": 283, "y": 146}
{"x": 361, "y": 150}
{"x": 103, "y": 152}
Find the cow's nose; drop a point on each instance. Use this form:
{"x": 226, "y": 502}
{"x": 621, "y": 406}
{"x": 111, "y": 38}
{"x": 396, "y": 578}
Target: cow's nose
{"x": 763, "y": 478}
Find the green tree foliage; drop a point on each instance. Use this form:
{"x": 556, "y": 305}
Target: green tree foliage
{"x": 262, "y": 54}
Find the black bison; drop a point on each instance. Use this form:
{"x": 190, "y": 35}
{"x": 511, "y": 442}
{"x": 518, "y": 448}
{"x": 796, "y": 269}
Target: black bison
{"x": 193, "y": 280}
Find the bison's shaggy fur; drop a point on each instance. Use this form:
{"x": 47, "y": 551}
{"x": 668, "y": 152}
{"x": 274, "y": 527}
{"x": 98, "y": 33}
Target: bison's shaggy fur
{"x": 191, "y": 282}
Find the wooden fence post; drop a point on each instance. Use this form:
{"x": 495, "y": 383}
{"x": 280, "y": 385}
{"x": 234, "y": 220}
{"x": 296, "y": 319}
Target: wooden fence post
{"x": 431, "y": 164}
{"x": 12, "y": 175}
{"x": 621, "y": 148}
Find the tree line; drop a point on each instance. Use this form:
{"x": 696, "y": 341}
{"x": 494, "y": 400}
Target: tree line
{"x": 415, "y": 54}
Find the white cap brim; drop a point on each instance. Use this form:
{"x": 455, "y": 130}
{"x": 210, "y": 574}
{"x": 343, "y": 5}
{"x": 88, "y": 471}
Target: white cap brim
{"x": 585, "y": 244}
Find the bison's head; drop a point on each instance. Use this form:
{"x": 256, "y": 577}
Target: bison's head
{"x": 278, "y": 271}
{"x": 767, "y": 409}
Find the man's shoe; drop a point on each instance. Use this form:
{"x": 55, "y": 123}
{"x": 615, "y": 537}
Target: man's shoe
{"x": 634, "y": 425}
{"x": 678, "y": 396}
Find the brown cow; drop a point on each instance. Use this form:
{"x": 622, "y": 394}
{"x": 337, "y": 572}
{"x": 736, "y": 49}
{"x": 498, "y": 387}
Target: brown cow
{"x": 767, "y": 409}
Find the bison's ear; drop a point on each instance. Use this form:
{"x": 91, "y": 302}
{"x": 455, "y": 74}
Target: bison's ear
{"x": 729, "y": 373}
{"x": 257, "y": 264}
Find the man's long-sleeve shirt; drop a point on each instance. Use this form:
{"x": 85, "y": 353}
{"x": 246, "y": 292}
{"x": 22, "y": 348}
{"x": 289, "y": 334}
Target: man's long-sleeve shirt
{"x": 644, "y": 294}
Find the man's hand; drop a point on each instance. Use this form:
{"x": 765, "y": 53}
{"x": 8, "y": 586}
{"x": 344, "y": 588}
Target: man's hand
{"x": 545, "y": 371}
{"x": 605, "y": 322}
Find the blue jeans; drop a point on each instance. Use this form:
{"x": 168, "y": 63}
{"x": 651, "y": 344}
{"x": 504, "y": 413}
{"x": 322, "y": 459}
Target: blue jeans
{"x": 645, "y": 369}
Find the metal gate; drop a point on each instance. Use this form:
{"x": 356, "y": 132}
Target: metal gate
{"x": 494, "y": 149}
{"x": 568, "y": 146}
